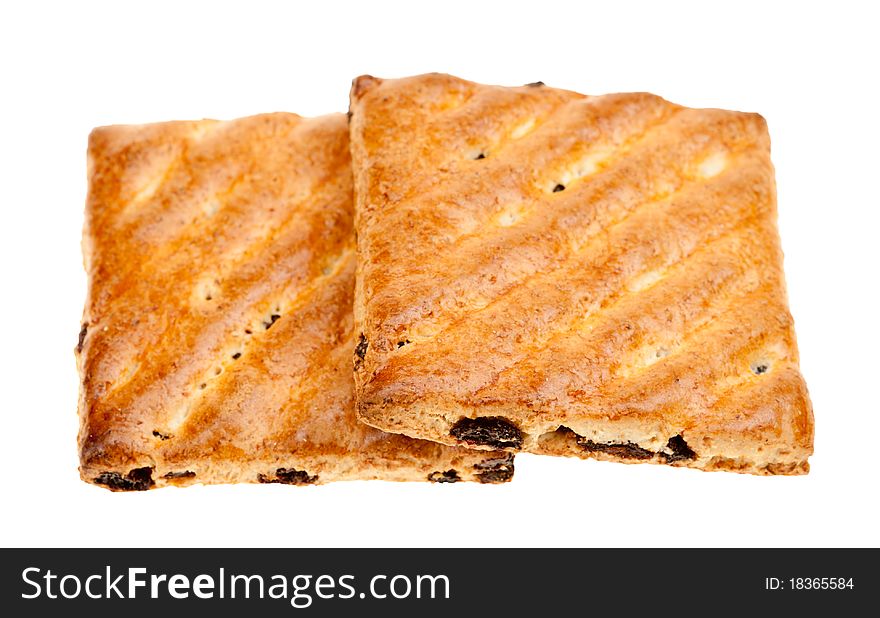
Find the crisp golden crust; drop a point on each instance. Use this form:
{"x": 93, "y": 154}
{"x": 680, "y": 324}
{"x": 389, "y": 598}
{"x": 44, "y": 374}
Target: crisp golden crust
{"x": 217, "y": 334}
{"x": 591, "y": 276}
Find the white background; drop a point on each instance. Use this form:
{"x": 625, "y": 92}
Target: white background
{"x": 811, "y": 70}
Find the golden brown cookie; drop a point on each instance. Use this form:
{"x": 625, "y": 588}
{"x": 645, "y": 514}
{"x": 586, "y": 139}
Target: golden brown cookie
{"x": 545, "y": 271}
{"x": 217, "y": 335}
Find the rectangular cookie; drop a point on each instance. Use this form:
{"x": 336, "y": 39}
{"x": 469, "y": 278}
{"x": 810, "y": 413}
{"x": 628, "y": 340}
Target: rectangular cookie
{"x": 594, "y": 276}
{"x": 217, "y": 336}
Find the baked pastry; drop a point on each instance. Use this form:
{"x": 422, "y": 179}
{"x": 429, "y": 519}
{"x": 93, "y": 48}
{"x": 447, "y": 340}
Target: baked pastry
{"x": 563, "y": 274}
{"x": 217, "y": 335}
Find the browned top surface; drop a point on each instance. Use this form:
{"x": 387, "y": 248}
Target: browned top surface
{"x": 221, "y": 263}
{"x": 650, "y": 287}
